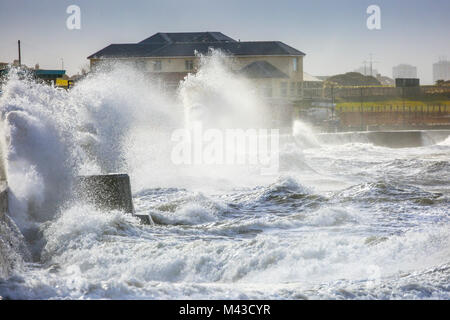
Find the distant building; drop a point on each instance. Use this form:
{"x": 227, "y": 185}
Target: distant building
{"x": 49, "y": 76}
{"x": 407, "y": 82}
{"x": 275, "y": 67}
{"x": 404, "y": 71}
{"x": 312, "y": 86}
{"x": 385, "y": 81}
{"x": 441, "y": 70}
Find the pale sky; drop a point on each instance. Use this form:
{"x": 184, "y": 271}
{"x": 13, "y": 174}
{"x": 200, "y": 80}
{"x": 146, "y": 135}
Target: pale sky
{"x": 332, "y": 33}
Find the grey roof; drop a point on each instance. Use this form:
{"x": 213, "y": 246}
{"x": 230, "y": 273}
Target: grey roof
{"x": 262, "y": 69}
{"x": 172, "y": 37}
{"x": 126, "y": 50}
{"x": 188, "y": 49}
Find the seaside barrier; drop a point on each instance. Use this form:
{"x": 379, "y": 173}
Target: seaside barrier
{"x": 108, "y": 191}
{"x": 395, "y": 116}
{"x": 390, "y": 139}
{"x": 5, "y": 263}
{"x": 111, "y": 191}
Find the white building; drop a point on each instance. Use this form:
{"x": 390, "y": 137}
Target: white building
{"x": 404, "y": 71}
{"x": 441, "y": 70}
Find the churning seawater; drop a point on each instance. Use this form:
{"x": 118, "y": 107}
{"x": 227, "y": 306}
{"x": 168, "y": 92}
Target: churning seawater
{"x": 340, "y": 220}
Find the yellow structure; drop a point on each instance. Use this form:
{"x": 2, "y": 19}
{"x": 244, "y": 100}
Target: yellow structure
{"x": 63, "y": 83}
{"x": 60, "y": 82}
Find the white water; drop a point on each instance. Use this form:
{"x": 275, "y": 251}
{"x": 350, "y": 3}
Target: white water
{"x": 338, "y": 221}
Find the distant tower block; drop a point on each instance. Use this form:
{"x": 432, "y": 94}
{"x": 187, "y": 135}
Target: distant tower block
{"x": 110, "y": 191}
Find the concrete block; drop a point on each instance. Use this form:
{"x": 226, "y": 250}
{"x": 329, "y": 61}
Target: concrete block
{"x": 145, "y": 219}
{"x": 3, "y": 199}
{"x": 5, "y": 264}
{"x": 110, "y": 191}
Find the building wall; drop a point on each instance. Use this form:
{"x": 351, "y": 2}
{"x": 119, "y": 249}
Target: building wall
{"x": 278, "y": 87}
{"x": 404, "y": 71}
{"x": 441, "y": 70}
{"x": 284, "y": 63}
{"x": 148, "y": 64}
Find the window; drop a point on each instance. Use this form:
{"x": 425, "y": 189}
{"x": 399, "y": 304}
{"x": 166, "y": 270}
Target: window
{"x": 140, "y": 64}
{"x": 189, "y": 65}
{"x": 295, "y": 64}
{"x": 299, "y": 88}
{"x": 267, "y": 90}
{"x": 157, "y": 65}
{"x": 283, "y": 88}
{"x": 292, "y": 89}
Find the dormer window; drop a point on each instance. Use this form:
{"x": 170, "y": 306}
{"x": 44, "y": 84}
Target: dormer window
{"x": 140, "y": 64}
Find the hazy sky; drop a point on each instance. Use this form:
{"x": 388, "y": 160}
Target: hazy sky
{"x": 332, "y": 33}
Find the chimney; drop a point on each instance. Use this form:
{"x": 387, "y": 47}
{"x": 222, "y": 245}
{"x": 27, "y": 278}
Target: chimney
{"x": 20, "y": 56}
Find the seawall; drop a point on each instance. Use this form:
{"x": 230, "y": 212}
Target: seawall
{"x": 3, "y": 181}
{"x": 391, "y": 139}
{"x": 5, "y": 249}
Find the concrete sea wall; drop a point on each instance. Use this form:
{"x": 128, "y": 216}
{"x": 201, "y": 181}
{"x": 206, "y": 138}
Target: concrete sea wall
{"x": 5, "y": 261}
{"x": 390, "y": 139}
